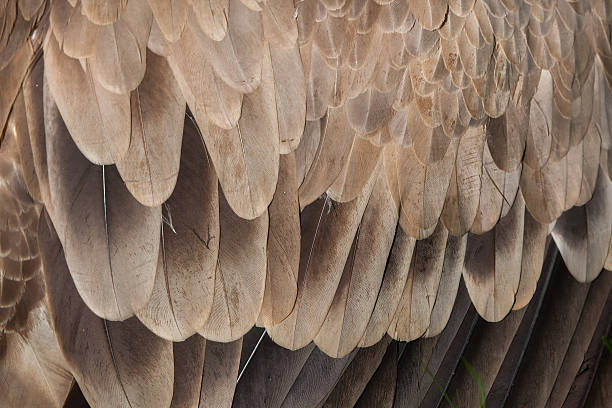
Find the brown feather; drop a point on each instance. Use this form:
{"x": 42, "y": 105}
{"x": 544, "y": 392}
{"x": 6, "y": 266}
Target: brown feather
{"x": 111, "y": 241}
{"x": 221, "y": 363}
{"x": 150, "y": 166}
{"x": 184, "y": 283}
{"x": 493, "y": 265}
{"x": 321, "y": 264}
{"x": 171, "y": 16}
{"x": 98, "y": 120}
{"x": 246, "y": 157}
{"x": 359, "y": 286}
{"x": 117, "y": 363}
{"x": 119, "y": 59}
{"x": 283, "y": 248}
{"x": 583, "y": 233}
{"x": 240, "y": 275}
{"x": 103, "y": 12}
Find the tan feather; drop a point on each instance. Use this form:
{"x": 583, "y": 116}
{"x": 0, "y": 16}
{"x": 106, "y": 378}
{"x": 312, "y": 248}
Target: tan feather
{"x": 18, "y": 126}
{"x": 246, "y": 157}
{"x": 583, "y": 233}
{"x": 212, "y": 17}
{"x": 411, "y": 318}
{"x": 335, "y": 141}
{"x": 34, "y": 358}
{"x": 208, "y": 97}
{"x": 237, "y": 58}
{"x": 239, "y": 290}
{"x": 150, "y": 166}
{"x": 534, "y": 248}
{"x": 497, "y": 194}
{"x": 283, "y": 249}
{"x": 362, "y": 160}
{"x": 98, "y": 120}
{"x": 506, "y": 137}
{"x": 220, "y": 371}
{"x": 75, "y": 33}
{"x": 188, "y": 368}
{"x": 422, "y": 189}
{"x": 462, "y": 197}
{"x": 103, "y": 12}
{"x": 493, "y": 265}
{"x": 430, "y": 13}
{"x": 11, "y": 76}
{"x": 279, "y": 26}
{"x": 544, "y": 190}
{"x": 394, "y": 279}
{"x": 452, "y": 268}
{"x": 33, "y": 101}
{"x": 119, "y": 59}
{"x": 110, "y": 240}
{"x": 118, "y": 363}
{"x": 290, "y": 90}
{"x": 321, "y": 264}
{"x": 171, "y": 16}
{"x": 538, "y": 144}
{"x": 184, "y": 283}
{"x": 359, "y": 286}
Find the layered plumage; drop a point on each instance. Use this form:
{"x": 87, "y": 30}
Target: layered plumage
{"x": 330, "y": 170}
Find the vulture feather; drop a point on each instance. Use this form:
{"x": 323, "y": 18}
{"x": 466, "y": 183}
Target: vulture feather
{"x": 307, "y": 203}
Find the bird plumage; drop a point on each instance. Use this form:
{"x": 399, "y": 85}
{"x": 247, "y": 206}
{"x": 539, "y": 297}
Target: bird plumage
{"x": 348, "y": 174}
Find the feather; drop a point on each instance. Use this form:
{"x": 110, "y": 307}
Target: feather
{"x": 171, "y": 16}
{"x": 119, "y": 59}
{"x": 498, "y": 190}
{"x": 462, "y": 197}
{"x": 583, "y": 233}
{"x": 283, "y": 248}
{"x": 239, "y": 290}
{"x": 150, "y": 166}
{"x": 98, "y": 120}
{"x": 103, "y": 12}
{"x": 188, "y": 369}
{"x": 279, "y": 26}
{"x": 110, "y": 240}
{"x": 362, "y": 159}
{"x": 33, "y": 101}
{"x": 29, "y": 8}
{"x": 184, "y": 283}
{"x": 246, "y": 157}
{"x": 493, "y": 265}
{"x": 310, "y": 390}
{"x": 208, "y": 97}
{"x": 117, "y": 363}
{"x": 18, "y": 126}
{"x": 321, "y": 264}
{"x": 534, "y": 248}
{"x": 454, "y": 256}
{"x": 290, "y": 90}
{"x": 336, "y": 137}
{"x": 11, "y": 77}
{"x": 411, "y": 318}
{"x": 34, "y": 358}
{"x": 220, "y": 371}
{"x": 75, "y": 33}
{"x": 571, "y": 367}
{"x": 356, "y": 376}
{"x": 237, "y": 58}
{"x": 430, "y": 13}
{"x": 421, "y": 188}
{"x": 380, "y": 391}
{"x": 538, "y": 143}
{"x": 265, "y": 381}
{"x": 391, "y": 289}
{"x": 212, "y": 17}
{"x": 506, "y": 137}
{"x": 360, "y": 283}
